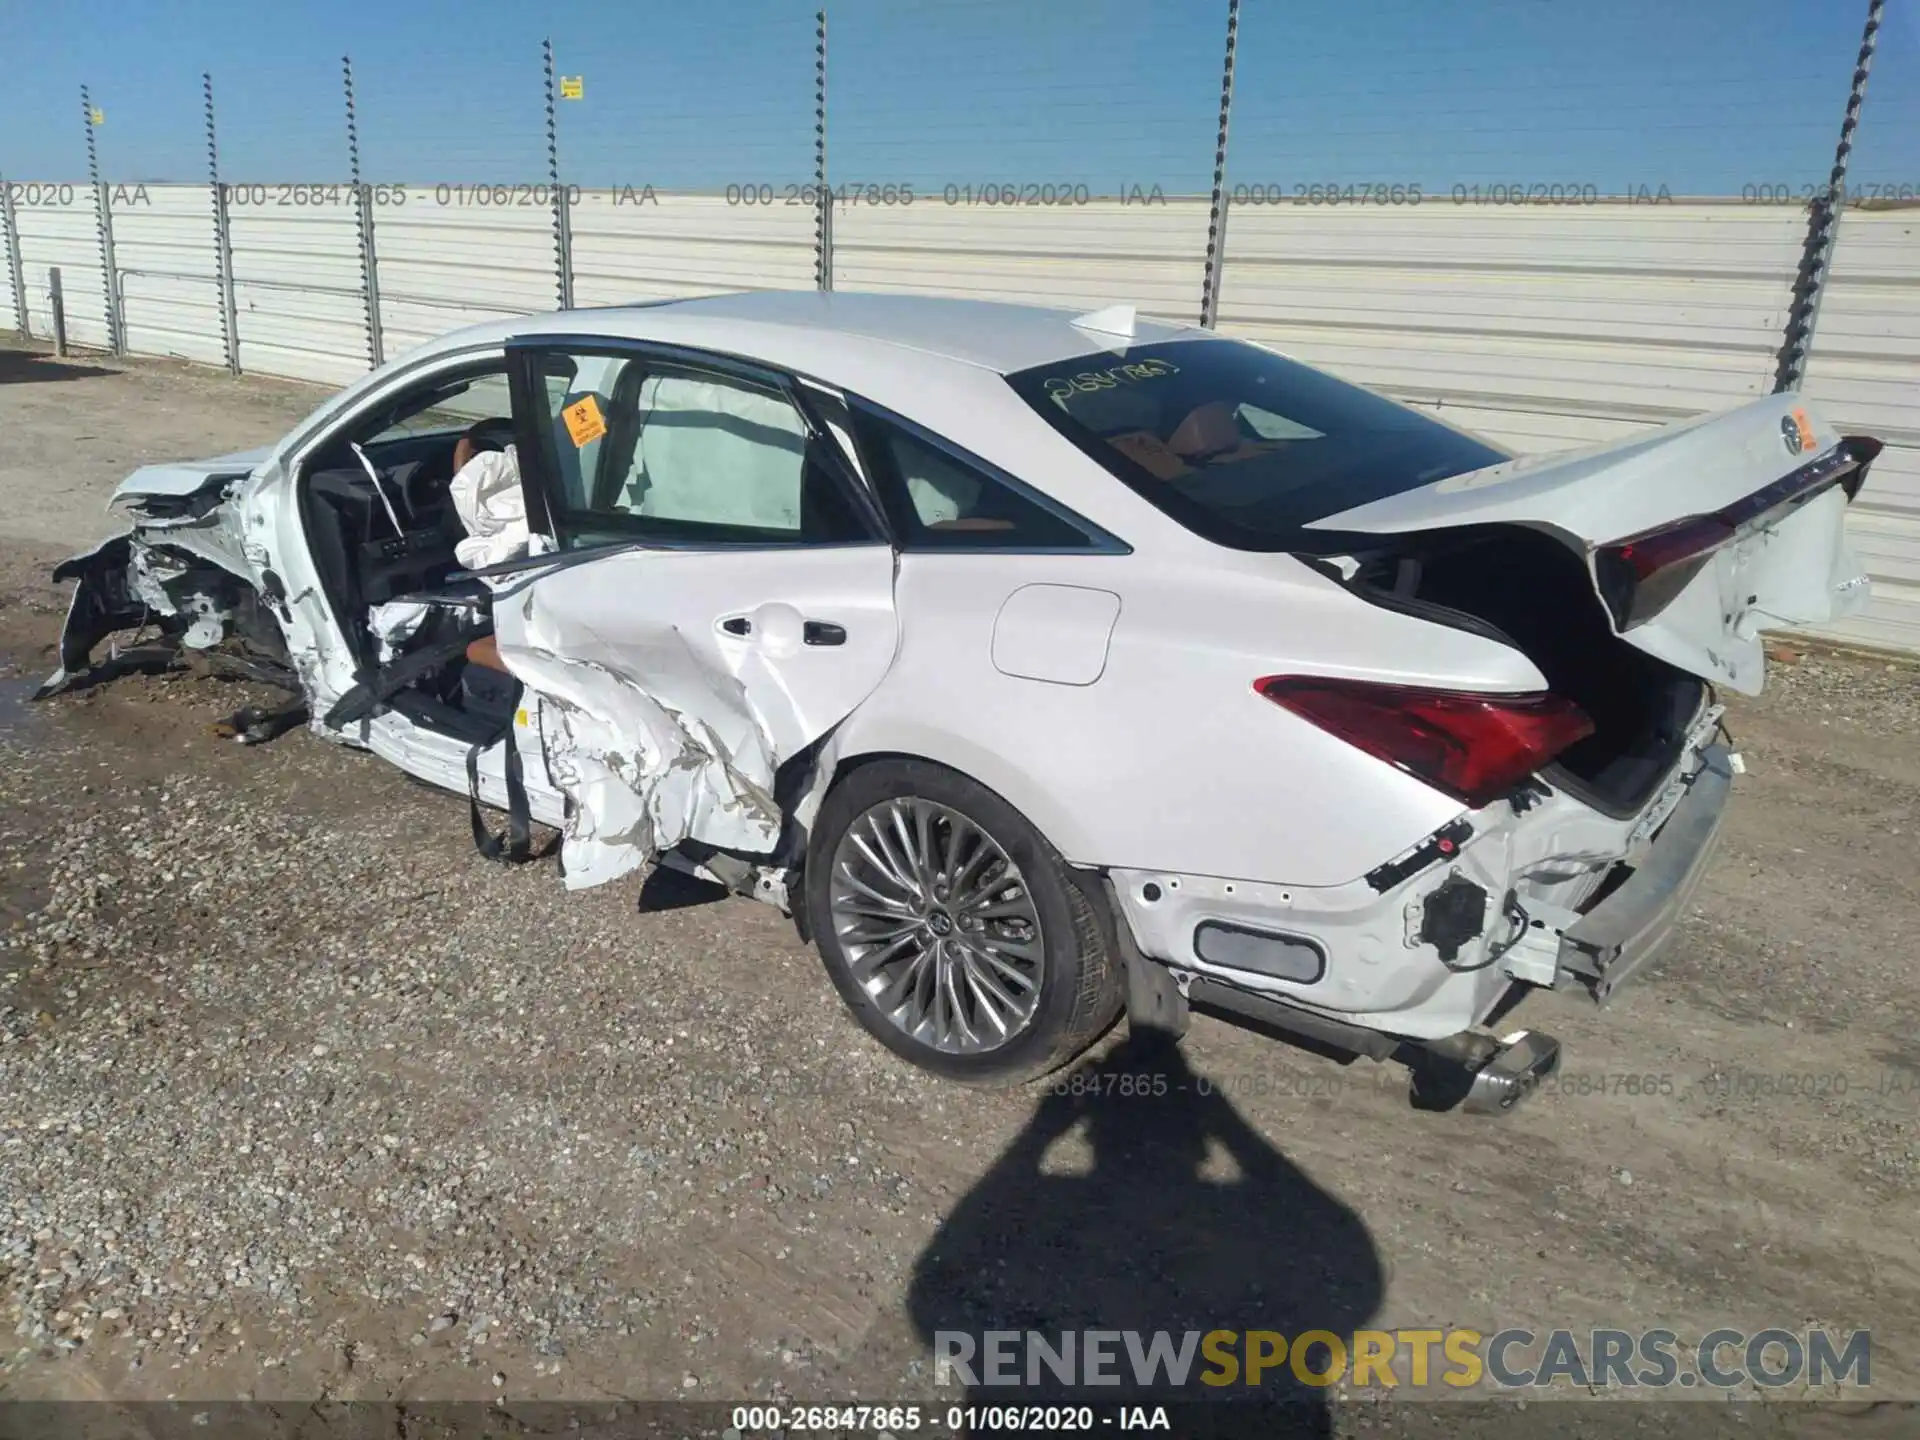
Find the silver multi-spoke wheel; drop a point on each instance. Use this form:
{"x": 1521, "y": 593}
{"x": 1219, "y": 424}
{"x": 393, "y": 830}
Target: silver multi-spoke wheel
{"x": 938, "y": 925}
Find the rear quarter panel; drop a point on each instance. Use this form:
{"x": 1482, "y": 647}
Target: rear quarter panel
{"x": 1169, "y": 760}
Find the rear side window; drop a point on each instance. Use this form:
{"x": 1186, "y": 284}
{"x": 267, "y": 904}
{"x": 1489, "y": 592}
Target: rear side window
{"x": 1241, "y": 445}
{"x": 939, "y": 498}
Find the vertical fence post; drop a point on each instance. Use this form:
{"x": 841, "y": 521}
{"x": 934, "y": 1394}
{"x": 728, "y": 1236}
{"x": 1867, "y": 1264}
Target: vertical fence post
{"x": 57, "y": 307}
{"x": 103, "y": 225}
{"x": 1217, "y": 214}
{"x": 1823, "y": 221}
{"x": 562, "y": 210}
{"x": 363, "y": 222}
{"x": 16, "y": 273}
{"x": 222, "y": 241}
{"x": 823, "y": 197}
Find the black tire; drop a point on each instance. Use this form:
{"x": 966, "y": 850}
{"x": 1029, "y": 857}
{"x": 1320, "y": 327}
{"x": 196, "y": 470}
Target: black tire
{"x": 1082, "y": 987}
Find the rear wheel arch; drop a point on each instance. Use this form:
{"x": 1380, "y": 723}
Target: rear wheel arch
{"x": 857, "y": 745}
{"x": 1082, "y": 983}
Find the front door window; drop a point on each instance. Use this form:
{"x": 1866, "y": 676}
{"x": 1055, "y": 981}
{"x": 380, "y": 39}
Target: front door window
{"x": 636, "y": 448}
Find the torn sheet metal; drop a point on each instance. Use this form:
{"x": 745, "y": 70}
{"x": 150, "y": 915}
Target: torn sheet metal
{"x": 697, "y": 677}
{"x": 202, "y": 519}
{"x": 640, "y": 777}
{"x": 643, "y": 771}
{"x": 125, "y": 582}
{"x": 168, "y": 583}
{"x": 102, "y": 602}
{"x": 180, "y": 559}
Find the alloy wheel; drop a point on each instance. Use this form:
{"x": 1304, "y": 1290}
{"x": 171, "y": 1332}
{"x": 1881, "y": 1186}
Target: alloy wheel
{"x": 938, "y": 925}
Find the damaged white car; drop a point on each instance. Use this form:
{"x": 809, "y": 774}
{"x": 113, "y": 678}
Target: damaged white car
{"x": 1041, "y": 667}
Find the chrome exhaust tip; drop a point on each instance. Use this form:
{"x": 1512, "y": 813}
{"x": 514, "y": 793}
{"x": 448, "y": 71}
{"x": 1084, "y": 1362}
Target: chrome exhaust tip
{"x": 1513, "y": 1073}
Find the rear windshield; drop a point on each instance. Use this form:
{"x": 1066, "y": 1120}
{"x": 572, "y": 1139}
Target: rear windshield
{"x": 1238, "y": 444}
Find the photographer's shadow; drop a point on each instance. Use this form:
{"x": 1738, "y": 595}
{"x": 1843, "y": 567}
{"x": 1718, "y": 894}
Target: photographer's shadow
{"x": 1166, "y": 1212}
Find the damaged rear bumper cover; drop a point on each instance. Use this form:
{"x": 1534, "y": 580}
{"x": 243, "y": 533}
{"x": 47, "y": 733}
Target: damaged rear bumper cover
{"x": 1570, "y": 899}
{"x": 1614, "y": 940}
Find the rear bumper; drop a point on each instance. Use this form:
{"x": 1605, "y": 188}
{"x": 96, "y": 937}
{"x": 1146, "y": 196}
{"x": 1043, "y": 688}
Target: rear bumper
{"x": 1611, "y": 942}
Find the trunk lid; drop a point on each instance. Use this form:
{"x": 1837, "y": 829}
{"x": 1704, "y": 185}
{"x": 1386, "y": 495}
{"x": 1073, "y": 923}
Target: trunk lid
{"x": 1698, "y": 537}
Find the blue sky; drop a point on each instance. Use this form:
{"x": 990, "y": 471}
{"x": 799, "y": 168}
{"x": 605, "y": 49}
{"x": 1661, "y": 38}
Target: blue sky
{"x": 1703, "y": 96}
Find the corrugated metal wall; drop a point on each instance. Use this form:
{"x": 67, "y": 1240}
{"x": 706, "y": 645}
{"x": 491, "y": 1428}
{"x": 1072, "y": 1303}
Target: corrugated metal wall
{"x": 1864, "y": 374}
{"x": 1540, "y": 326}
{"x": 58, "y": 228}
{"x": 163, "y": 255}
{"x": 297, "y": 293}
{"x": 444, "y": 266}
{"x": 1078, "y": 256}
{"x": 627, "y": 246}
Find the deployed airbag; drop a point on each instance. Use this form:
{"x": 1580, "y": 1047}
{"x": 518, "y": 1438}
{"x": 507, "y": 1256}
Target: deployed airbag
{"x": 492, "y": 508}
{"x": 717, "y": 455}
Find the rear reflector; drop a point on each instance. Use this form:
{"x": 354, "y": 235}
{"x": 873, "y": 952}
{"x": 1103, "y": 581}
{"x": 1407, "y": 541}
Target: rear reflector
{"x": 1260, "y": 952}
{"x": 1473, "y": 745}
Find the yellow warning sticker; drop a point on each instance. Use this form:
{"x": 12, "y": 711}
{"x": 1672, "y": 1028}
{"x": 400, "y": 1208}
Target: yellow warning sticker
{"x": 520, "y": 717}
{"x": 585, "y": 423}
{"x": 573, "y": 87}
{"x": 1805, "y": 427}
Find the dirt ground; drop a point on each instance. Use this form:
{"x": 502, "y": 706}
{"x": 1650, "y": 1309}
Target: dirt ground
{"x": 300, "y": 1098}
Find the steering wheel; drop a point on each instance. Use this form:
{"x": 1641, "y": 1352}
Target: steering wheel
{"x": 493, "y": 433}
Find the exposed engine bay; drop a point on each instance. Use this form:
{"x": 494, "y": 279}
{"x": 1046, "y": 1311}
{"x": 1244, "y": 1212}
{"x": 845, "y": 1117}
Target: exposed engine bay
{"x": 384, "y": 520}
{"x": 389, "y": 640}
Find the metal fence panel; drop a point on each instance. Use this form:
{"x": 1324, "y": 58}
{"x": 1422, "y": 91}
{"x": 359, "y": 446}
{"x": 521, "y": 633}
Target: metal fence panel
{"x": 445, "y": 265}
{"x": 1864, "y": 374}
{"x": 1543, "y": 326}
{"x": 58, "y": 227}
{"x": 163, "y": 247}
{"x": 627, "y": 247}
{"x": 296, "y": 291}
{"x": 1078, "y": 257}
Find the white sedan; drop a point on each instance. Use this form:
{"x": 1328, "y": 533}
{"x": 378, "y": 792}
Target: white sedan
{"x": 1041, "y": 666}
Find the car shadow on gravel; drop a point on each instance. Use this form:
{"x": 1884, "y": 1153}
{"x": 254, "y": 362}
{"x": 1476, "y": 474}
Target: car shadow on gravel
{"x": 669, "y": 889}
{"x": 24, "y": 367}
{"x": 1139, "y": 1199}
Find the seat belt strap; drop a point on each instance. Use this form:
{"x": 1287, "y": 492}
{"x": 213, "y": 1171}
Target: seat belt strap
{"x": 514, "y": 844}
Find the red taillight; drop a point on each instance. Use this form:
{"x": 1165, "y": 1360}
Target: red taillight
{"x": 1473, "y": 745}
{"x": 1639, "y": 576}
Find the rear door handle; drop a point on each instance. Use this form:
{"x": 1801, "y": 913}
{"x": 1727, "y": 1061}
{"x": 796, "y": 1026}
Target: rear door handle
{"x": 821, "y": 632}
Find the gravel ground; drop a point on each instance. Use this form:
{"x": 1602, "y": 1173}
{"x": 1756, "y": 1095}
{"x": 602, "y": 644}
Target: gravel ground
{"x": 300, "y": 1098}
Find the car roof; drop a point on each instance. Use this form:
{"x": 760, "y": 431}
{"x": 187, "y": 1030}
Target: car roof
{"x": 938, "y": 362}
{"x": 991, "y": 335}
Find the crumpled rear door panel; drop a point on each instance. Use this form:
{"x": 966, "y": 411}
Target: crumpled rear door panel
{"x": 675, "y": 683}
